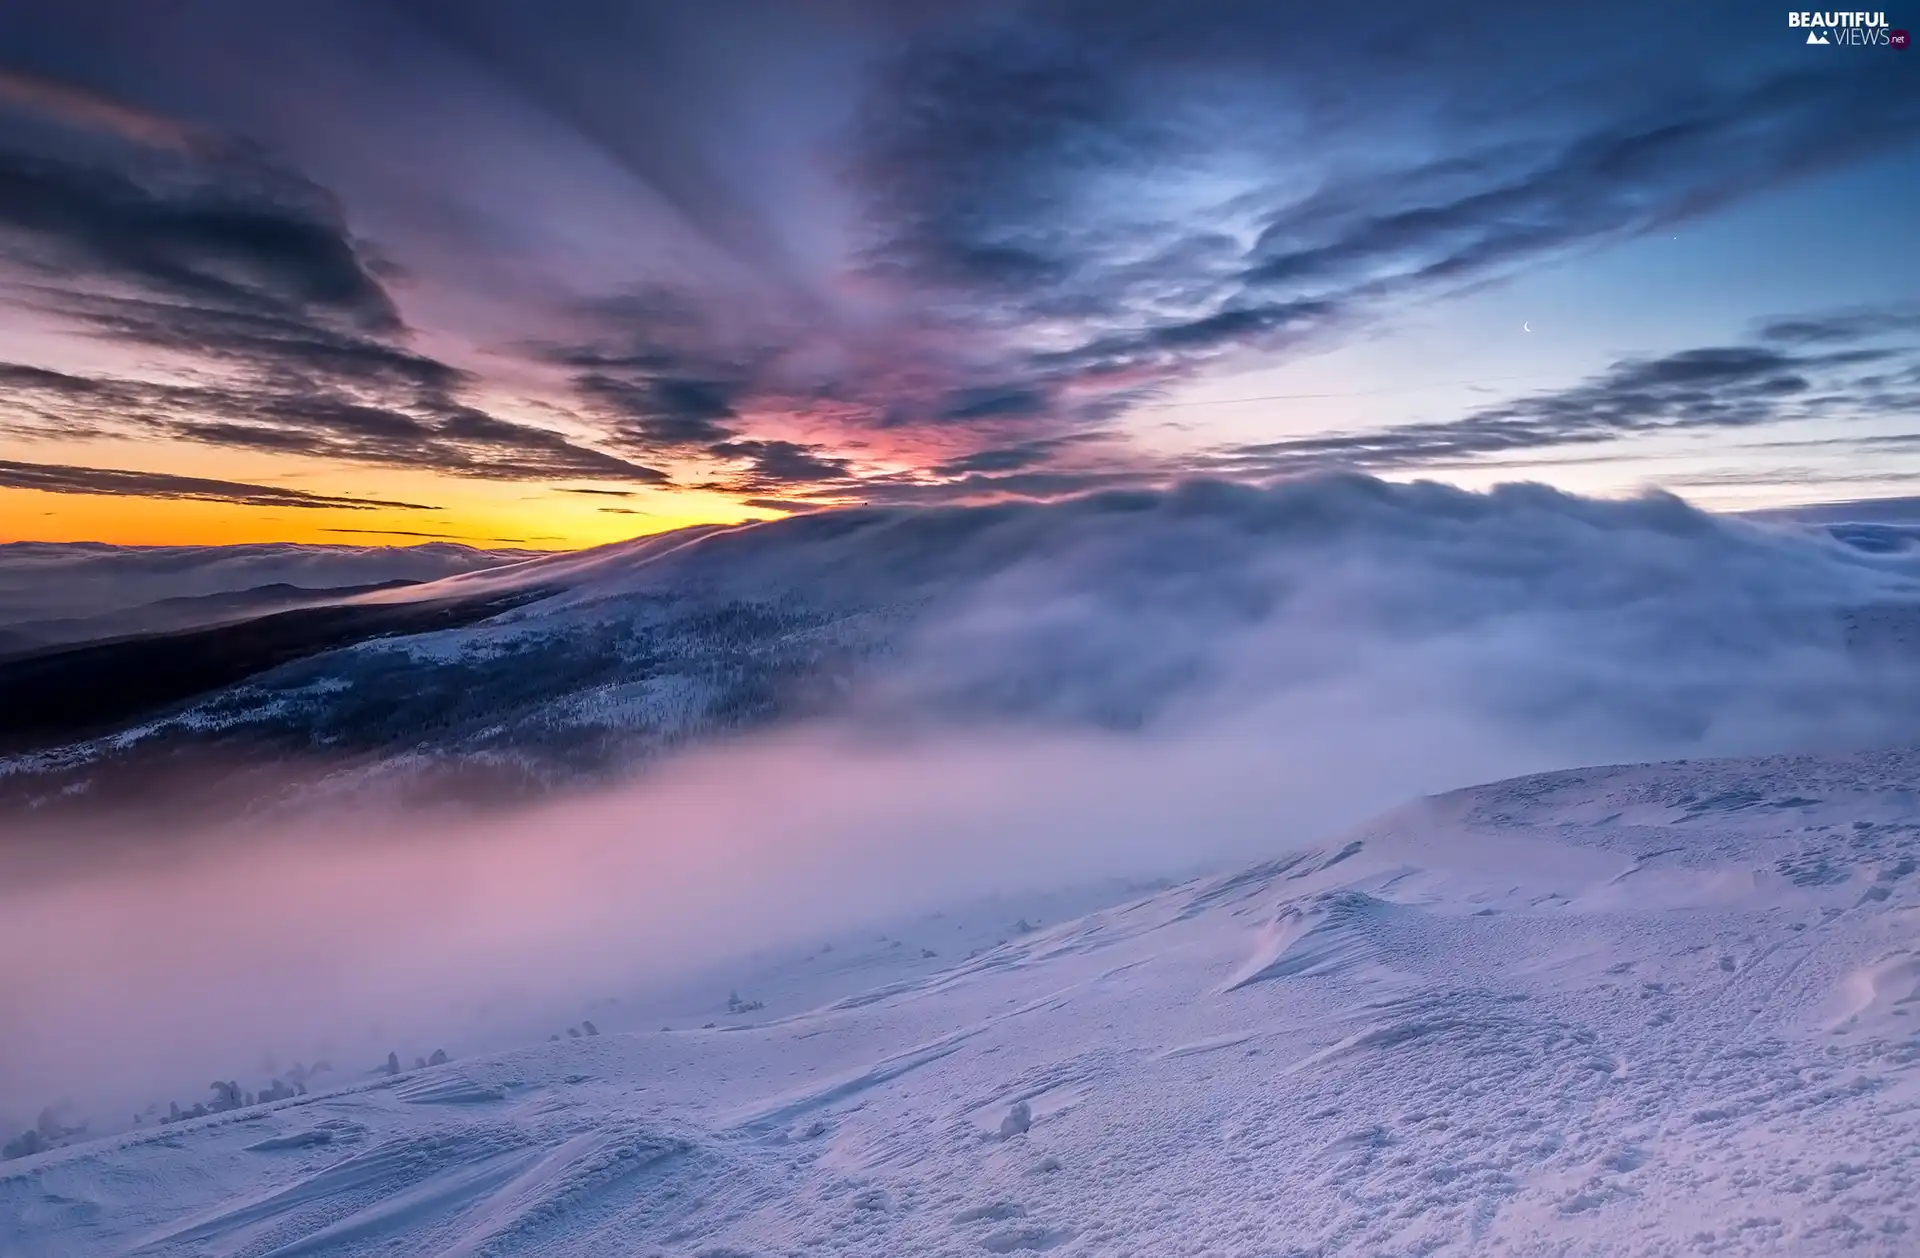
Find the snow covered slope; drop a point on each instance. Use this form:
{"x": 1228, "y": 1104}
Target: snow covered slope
{"x": 1667, "y": 1009}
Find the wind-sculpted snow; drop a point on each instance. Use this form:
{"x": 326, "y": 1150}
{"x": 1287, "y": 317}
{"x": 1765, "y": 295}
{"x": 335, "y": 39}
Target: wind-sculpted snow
{"x": 1600, "y": 1012}
{"x": 1516, "y": 629}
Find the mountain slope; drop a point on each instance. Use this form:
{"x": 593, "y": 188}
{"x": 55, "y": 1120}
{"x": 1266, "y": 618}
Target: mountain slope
{"x": 1664, "y": 1009}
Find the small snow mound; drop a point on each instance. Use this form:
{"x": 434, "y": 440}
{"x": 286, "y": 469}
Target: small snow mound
{"x": 1880, "y": 1000}
{"x": 292, "y": 1140}
{"x": 569, "y": 1179}
{"x": 1032, "y": 1238}
{"x": 1243, "y": 885}
{"x": 371, "y": 1192}
{"x": 1331, "y": 933}
{"x": 448, "y": 1088}
{"x": 994, "y": 1212}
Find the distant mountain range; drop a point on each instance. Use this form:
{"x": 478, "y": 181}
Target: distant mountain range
{"x": 168, "y": 615}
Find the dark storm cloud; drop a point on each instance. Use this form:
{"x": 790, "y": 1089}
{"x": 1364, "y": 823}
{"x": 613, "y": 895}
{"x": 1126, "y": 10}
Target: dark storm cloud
{"x": 996, "y": 403}
{"x": 659, "y": 371}
{"x": 248, "y": 275}
{"x": 60, "y": 479}
{"x": 772, "y": 464}
{"x": 1843, "y": 327}
{"x": 1802, "y": 476}
{"x": 441, "y": 537}
{"x": 795, "y": 505}
{"x": 211, "y": 227}
{"x": 657, "y": 413}
{"x": 444, "y": 437}
{"x": 1015, "y": 458}
{"x": 970, "y": 146}
{"x": 1732, "y": 387}
{"x": 1002, "y": 459}
{"x": 1891, "y": 444}
{"x": 269, "y": 346}
{"x": 1462, "y": 218}
{"x": 989, "y": 157}
{"x": 1032, "y": 484}
{"x": 643, "y": 84}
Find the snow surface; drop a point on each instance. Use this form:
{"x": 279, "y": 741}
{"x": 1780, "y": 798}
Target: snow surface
{"x": 1652, "y": 1010}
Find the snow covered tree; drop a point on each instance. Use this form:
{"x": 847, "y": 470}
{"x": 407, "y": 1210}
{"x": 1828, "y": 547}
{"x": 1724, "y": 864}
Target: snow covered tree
{"x": 26, "y": 1144}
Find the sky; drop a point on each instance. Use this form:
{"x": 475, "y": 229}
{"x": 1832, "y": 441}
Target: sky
{"x": 554, "y": 274}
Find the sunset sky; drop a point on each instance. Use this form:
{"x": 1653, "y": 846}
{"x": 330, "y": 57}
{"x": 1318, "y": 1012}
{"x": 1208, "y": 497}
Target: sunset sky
{"x": 554, "y": 273}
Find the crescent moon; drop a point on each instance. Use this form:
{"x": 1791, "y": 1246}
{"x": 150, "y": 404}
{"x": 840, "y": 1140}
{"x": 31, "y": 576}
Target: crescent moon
{"x": 1527, "y": 326}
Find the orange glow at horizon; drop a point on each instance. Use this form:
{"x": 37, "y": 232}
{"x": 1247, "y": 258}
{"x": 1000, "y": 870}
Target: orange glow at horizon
{"x": 545, "y": 523}
{"x": 474, "y": 512}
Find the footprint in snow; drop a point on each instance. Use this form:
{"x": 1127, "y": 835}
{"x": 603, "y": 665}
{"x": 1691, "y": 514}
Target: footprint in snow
{"x": 997, "y": 1212}
{"x": 1031, "y": 1237}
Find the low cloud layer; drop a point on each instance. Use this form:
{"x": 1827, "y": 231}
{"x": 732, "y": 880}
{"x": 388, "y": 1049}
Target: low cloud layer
{"x": 57, "y": 479}
{"x": 48, "y": 580}
{"x": 1128, "y": 684}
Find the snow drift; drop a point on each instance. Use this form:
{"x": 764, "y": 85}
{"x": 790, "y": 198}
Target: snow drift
{"x": 1614, "y": 1012}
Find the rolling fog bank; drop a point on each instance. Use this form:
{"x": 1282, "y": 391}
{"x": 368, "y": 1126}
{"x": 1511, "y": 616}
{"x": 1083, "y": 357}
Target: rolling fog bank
{"x": 1126, "y": 685}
